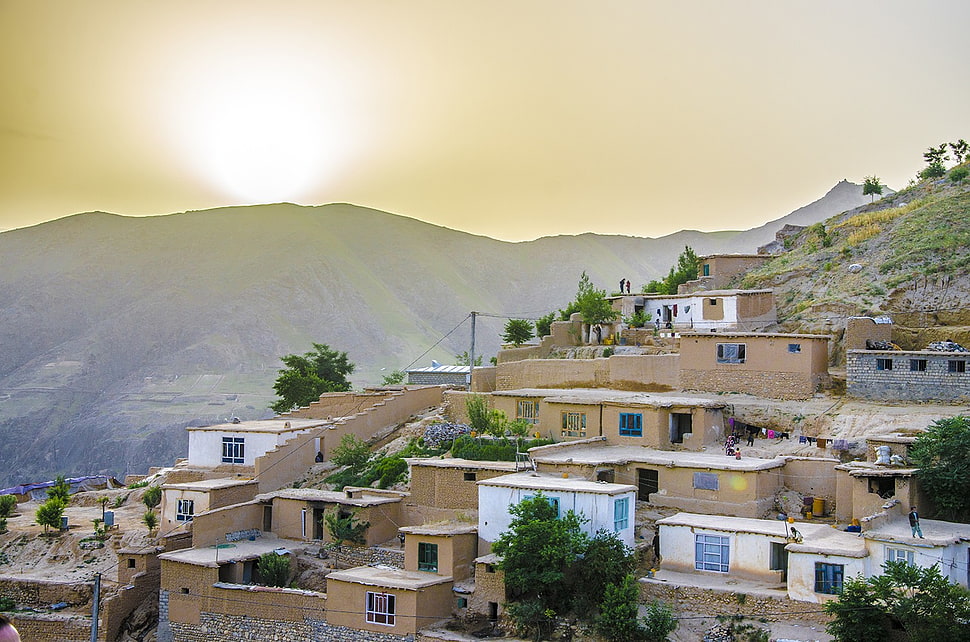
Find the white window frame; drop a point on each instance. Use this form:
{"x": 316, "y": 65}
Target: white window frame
{"x": 527, "y": 410}
{"x": 573, "y": 423}
{"x": 712, "y": 552}
{"x": 185, "y": 510}
{"x": 381, "y": 608}
{"x": 233, "y": 450}
{"x": 724, "y": 354}
{"x": 621, "y": 514}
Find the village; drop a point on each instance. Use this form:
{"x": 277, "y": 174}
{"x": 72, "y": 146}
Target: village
{"x": 751, "y": 475}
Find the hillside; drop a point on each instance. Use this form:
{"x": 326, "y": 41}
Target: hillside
{"x": 118, "y": 332}
{"x": 906, "y": 256}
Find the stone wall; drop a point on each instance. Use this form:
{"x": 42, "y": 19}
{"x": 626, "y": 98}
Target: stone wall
{"x": 43, "y": 593}
{"x": 865, "y": 379}
{"x": 216, "y": 626}
{"x": 366, "y": 555}
{"x": 860, "y": 329}
{"x": 62, "y": 628}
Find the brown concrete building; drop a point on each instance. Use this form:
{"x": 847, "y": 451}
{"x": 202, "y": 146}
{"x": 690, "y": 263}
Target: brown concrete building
{"x": 783, "y": 366}
{"x": 719, "y": 271}
{"x": 451, "y": 483}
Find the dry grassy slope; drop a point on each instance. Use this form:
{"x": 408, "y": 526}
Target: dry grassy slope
{"x": 913, "y": 249}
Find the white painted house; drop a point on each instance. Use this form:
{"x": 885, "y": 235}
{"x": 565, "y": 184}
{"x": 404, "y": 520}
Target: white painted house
{"x": 718, "y": 310}
{"x": 606, "y": 506}
{"x": 242, "y": 443}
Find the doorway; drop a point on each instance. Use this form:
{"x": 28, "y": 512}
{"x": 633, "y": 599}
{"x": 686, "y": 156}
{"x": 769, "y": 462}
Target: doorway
{"x": 680, "y": 425}
{"x": 779, "y": 559}
{"x": 648, "y": 481}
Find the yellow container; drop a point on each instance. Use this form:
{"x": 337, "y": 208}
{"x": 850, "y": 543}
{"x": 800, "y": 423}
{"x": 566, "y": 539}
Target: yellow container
{"x": 818, "y": 506}
{"x": 808, "y": 515}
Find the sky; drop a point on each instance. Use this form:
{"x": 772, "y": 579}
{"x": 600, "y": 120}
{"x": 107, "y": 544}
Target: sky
{"x": 513, "y": 120}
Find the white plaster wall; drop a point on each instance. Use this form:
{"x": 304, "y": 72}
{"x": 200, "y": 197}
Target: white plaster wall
{"x": 750, "y": 553}
{"x": 170, "y": 502}
{"x": 494, "y": 517}
{"x": 801, "y": 574}
{"x": 952, "y": 559}
{"x": 205, "y": 446}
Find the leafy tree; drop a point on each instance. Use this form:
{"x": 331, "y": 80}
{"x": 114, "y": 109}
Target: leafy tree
{"x": 345, "y": 528}
{"x": 569, "y": 310}
{"x": 308, "y": 376}
{"x": 871, "y": 187}
{"x": 150, "y": 519}
{"x": 544, "y": 324}
{"x": 532, "y": 619}
{"x": 933, "y": 170}
{"x": 537, "y": 551}
{"x": 638, "y": 320}
{"x": 617, "y": 620}
{"x": 395, "y": 378}
{"x": 681, "y": 272}
{"x": 906, "y": 602}
{"x": 61, "y": 489}
{"x": 607, "y": 560}
{"x": 592, "y": 303}
{"x": 463, "y": 359}
{"x": 936, "y": 155}
{"x": 7, "y": 505}
{"x": 352, "y": 452}
{"x": 152, "y": 496}
{"x": 50, "y": 512}
{"x": 960, "y": 150}
{"x": 943, "y": 467}
{"x": 957, "y": 174}
{"x": 478, "y": 414}
{"x": 517, "y": 332}
{"x": 273, "y": 569}
{"x": 659, "y": 622}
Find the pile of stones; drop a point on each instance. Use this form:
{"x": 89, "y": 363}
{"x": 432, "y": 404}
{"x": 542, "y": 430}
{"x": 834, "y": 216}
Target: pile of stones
{"x": 946, "y": 346}
{"x": 437, "y": 434}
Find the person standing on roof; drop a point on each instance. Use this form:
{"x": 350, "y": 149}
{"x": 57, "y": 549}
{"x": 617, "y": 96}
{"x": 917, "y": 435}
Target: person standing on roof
{"x": 914, "y": 523}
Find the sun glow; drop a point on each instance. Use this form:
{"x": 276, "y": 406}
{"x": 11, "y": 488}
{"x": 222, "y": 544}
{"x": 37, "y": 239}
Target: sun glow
{"x": 260, "y": 130}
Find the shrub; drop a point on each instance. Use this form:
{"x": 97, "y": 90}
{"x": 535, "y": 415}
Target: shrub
{"x": 638, "y": 320}
{"x": 531, "y": 619}
{"x": 273, "y": 569}
{"x": 933, "y": 170}
{"x": 345, "y": 528}
{"x": 152, "y": 496}
{"x": 957, "y": 174}
{"x": 7, "y": 505}
{"x": 150, "y": 519}
{"x": 477, "y": 408}
{"x": 50, "y": 512}
{"x": 61, "y": 489}
{"x": 351, "y": 452}
{"x": 478, "y": 449}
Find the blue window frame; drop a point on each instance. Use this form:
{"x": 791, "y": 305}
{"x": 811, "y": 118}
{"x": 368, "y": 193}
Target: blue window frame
{"x": 553, "y": 501}
{"x": 828, "y": 578}
{"x": 712, "y": 553}
{"x": 621, "y": 514}
{"x": 631, "y": 424}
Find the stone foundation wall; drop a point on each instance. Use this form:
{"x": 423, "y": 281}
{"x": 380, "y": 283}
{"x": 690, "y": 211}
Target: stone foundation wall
{"x": 364, "y": 556}
{"x": 62, "y": 628}
{"x": 216, "y": 626}
{"x": 36, "y": 593}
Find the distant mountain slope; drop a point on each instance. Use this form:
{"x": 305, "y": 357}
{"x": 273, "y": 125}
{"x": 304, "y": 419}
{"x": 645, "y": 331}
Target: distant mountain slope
{"x": 117, "y": 332}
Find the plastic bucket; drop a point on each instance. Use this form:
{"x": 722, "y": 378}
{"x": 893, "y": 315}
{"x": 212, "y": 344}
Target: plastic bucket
{"x": 818, "y": 506}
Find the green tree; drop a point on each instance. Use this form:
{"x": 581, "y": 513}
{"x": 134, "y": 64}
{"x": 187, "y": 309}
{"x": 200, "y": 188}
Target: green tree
{"x": 659, "y": 622}
{"x": 933, "y": 170}
{"x": 152, "y": 496}
{"x": 544, "y": 325}
{"x": 960, "y": 150}
{"x": 50, "y": 512}
{"x": 606, "y": 560}
{"x": 61, "y": 489}
{"x": 957, "y": 174}
{"x": 463, "y": 359}
{"x": 592, "y": 304}
{"x": 308, "y": 376}
{"x": 345, "y": 528}
{"x": 906, "y": 602}
{"x": 618, "y": 620}
{"x": 395, "y": 378}
{"x": 684, "y": 270}
{"x": 517, "y": 332}
{"x": 273, "y": 569}
{"x": 150, "y": 519}
{"x": 7, "y": 505}
{"x": 936, "y": 155}
{"x": 352, "y": 452}
{"x": 871, "y": 187}
{"x": 943, "y": 468}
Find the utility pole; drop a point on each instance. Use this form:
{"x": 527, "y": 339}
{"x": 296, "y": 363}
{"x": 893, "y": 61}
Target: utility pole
{"x": 471, "y": 353}
{"x": 94, "y": 607}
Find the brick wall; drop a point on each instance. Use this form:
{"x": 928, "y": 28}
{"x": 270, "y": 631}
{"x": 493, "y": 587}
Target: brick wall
{"x": 865, "y": 379}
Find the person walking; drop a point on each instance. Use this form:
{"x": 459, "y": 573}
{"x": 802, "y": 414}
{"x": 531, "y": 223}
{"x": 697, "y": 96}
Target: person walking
{"x": 914, "y": 523}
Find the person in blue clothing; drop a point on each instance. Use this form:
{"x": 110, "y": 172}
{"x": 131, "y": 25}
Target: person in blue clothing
{"x": 914, "y": 523}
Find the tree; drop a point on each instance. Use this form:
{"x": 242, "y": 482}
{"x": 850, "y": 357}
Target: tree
{"x": 352, "y": 452}
{"x": 681, "y": 272}
{"x": 939, "y": 454}
{"x": 906, "y": 602}
{"x": 517, "y": 332}
{"x": 592, "y": 304}
{"x": 544, "y": 324}
{"x": 617, "y": 620}
{"x": 150, "y": 519}
{"x": 308, "y": 376}
{"x": 936, "y": 155}
{"x": 7, "y": 505}
{"x": 463, "y": 359}
{"x": 273, "y": 569}
{"x": 345, "y": 528}
{"x": 152, "y": 496}
{"x": 960, "y": 150}
{"x": 607, "y": 560}
{"x": 395, "y": 378}
{"x": 871, "y": 187}
{"x": 50, "y": 512}
{"x": 933, "y": 170}
{"x": 61, "y": 489}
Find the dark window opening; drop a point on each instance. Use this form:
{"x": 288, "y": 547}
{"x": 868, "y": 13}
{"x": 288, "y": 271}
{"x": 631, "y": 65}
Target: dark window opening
{"x": 885, "y": 487}
{"x": 648, "y": 481}
{"x": 471, "y": 476}
{"x": 680, "y": 425}
{"x": 884, "y": 364}
{"x": 956, "y": 366}
{"x": 917, "y": 365}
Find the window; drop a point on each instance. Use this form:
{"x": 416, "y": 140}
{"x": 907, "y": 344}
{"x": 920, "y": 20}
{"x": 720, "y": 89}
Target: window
{"x": 917, "y": 365}
{"x": 185, "y": 510}
{"x": 553, "y": 501}
{"x": 234, "y": 450}
{"x": 730, "y": 352}
{"x": 828, "y": 578}
{"x": 707, "y": 269}
{"x": 380, "y": 608}
{"x": 713, "y": 302}
{"x": 131, "y": 562}
{"x": 427, "y": 557}
{"x": 899, "y": 555}
{"x": 706, "y": 481}
{"x": 574, "y": 424}
{"x": 956, "y": 366}
{"x": 794, "y": 348}
{"x": 462, "y": 602}
{"x": 471, "y": 476}
{"x": 884, "y": 364}
{"x": 711, "y": 553}
{"x": 527, "y": 411}
{"x": 631, "y": 424}
{"x": 621, "y": 514}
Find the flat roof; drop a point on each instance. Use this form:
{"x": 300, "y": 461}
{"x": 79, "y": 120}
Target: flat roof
{"x": 768, "y": 335}
{"x": 907, "y": 353}
{"x": 737, "y": 255}
{"x": 870, "y": 469}
{"x": 457, "y": 462}
{"x": 692, "y": 295}
{"x": 591, "y": 455}
{"x": 448, "y": 528}
{"x": 816, "y": 538}
{"x": 209, "y": 484}
{"x": 276, "y": 425}
{"x": 613, "y": 397}
{"x": 388, "y": 576}
{"x": 935, "y": 533}
{"x": 441, "y": 369}
{"x": 361, "y": 498}
{"x": 545, "y": 481}
{"x": 211, "y": 556}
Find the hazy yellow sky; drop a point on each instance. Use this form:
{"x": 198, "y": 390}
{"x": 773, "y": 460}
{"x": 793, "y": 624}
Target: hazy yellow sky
{"x": 510, "y": 119}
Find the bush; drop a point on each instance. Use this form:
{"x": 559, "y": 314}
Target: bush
{"x": 478, "y": 449}
{"x": 152, "y": 496}
{"x": 7, "y": 505}
{"x": 531, "y": 619}
{"x": 150, "y": 519}
{"x": 273, "y": 569}
{"x": 933, "y": 170}
{"x": 345, "y": 528}
{"x": 61, "y": 489}
{"x": 351, "y": 452}
{"x": 638, "y": 320}
{"x": 49, "y": 513}
{"x": 957, "y": 174}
